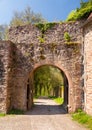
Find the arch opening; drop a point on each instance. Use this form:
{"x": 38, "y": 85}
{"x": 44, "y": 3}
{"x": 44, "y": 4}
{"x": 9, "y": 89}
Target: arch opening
{"x": 48, "y": 81}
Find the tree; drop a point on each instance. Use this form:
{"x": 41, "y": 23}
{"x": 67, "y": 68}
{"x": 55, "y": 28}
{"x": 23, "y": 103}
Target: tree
{"x": 3, "y": 32}
{"x": 25, "y": 17}
{"x": 46, "y": 80}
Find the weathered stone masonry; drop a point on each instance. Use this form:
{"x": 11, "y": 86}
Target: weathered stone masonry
{"x": 5, "y": 62}
{"x": 87, "y": 35}
{"x": 27, "y": 53}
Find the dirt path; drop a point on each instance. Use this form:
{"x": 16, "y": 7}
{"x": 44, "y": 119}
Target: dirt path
{"x": 46, "y": 115}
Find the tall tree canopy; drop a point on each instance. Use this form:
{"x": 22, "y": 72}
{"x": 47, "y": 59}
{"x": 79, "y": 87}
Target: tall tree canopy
{"x": 3, "y": 31}
{"x": 81, "y": 13}
{"x": 25, "y": 17}
{"x": 47, "y": 79}
{"x": 21, "y": 18}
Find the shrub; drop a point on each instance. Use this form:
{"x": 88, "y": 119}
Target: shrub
{"x": 83, "y": 118}
{"x": 82, "y": 12}
{"x": 16, "y": 112}
{"x": 67, "y": 37}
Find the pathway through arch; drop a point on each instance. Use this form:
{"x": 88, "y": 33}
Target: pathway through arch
{"x": 45, "y": 115}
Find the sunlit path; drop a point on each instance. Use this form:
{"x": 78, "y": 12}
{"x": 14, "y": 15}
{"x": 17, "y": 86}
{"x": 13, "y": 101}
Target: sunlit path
{"x": 45, "y": 115}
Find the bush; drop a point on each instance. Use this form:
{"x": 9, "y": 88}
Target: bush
{"x": 67, "y": 37}
{"x": 81, "y": 13}
{"x": 16, "y": 112}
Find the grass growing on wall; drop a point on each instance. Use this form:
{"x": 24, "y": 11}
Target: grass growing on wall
{"x": 83, "y": 118}
{"x": 44, "y": 27}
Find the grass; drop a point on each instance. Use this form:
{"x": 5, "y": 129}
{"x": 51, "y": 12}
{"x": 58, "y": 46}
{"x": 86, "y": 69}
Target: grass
{"x": 2, "y": 114}
{"x": 16, "y": 112}
{"x": 83, "y": 118}
{"x": 36, "y": 97}
{"x": 58, "y": 100}
{"x": 12, "y": 112}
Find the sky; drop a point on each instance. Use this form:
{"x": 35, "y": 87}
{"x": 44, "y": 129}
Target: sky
{"x": 51, "y": 10}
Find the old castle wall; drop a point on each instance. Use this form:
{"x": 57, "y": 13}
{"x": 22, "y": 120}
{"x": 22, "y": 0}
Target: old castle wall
{"x": 5, "y": 61}
{"x": 31, "y": 53}
{"x": 28, "y": 53}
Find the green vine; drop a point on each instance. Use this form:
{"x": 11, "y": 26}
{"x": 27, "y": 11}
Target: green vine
{"x": 44, "y": 28}
{"x": 41, "y": 39}
{"x": 67, "y": 37}
{"x": 68, "y": 40}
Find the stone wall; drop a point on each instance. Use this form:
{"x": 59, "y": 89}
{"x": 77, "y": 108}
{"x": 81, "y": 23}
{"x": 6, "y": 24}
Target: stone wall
{"x": 88, "y": 66}
{"x": 5, "y": 48}
{"x": 21, "y": 57}
{"x": 31, "y": 53}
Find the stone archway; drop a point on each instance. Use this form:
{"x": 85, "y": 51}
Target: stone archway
{"x": 68, "y": 85}
{"x": 26, "y": 52}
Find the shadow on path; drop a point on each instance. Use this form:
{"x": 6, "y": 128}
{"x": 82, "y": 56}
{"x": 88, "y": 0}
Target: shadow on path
{"x": 46, "y": 107}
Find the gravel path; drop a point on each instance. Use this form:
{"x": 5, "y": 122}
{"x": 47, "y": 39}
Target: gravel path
{"x": 46, "y": 115}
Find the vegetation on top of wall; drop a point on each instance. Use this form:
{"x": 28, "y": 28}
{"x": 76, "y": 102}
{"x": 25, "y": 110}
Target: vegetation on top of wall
{"x": 26, "y": 16}
{"x": 82, "y": 12}
{"x": 45, "y": 26}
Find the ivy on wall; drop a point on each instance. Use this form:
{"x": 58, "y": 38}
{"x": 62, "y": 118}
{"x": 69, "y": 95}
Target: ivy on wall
{"x": 44, "y": 28}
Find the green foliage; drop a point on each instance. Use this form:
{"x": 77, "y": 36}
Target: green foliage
{"x": 16, "y": 112}
{"x": 83, "y": 118}
{"x": 41, "y": 39}
{"x": 67, "y": 37}
{"x": 36, "y": 97}
{"x": 59, "y": 100}
{"x": 71, "y": 16}
{"x": 46, "y": 80}
{"x": 82, "y": 12}
{"x": 44, "y": 27}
